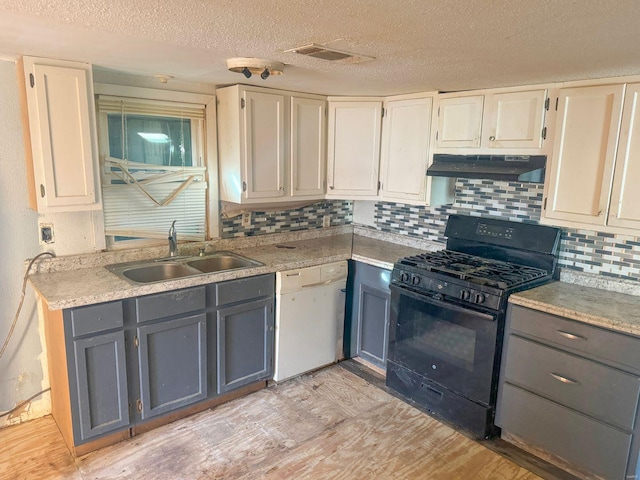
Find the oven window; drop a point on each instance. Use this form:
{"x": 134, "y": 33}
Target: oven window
{"x": 454, "y": 344}
{"x": 447, "y": 341}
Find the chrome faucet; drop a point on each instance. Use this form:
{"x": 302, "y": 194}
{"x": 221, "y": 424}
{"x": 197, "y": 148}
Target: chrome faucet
{"x": 173, "y": 240}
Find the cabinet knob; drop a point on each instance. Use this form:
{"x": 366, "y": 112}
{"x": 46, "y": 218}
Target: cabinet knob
{"x": 331, "y": 187}
{"x": 492, "y": 138}
{"x": 281, "y": 189}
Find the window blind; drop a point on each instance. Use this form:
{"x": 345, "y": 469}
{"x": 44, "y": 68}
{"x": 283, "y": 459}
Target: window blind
{"x": 140, "y": 200}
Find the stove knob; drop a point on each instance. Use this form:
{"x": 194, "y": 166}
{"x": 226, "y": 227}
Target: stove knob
{"x": 415, "y": 280}
{"x": 404, "y": 277}
{"x": 465, "y": 294}
{"x": 479, "y": 298}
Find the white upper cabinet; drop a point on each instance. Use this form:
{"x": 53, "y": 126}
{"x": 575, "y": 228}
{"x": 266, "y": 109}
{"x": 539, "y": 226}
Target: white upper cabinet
{"x": 625, "y": 198}
{"x": 515, "y": 119}
{"x": 353, "y": 155}
{"x": 492, "y": 122}
{"x": 271, "y": 145}
{"x": 308, "y": 147}
{"x": 264, "y": 143}
{"x": 586, "y": 137}
{"x": 459, "y": 121}
{"x": 406, "y": 130}
{"x": 60, "y": 135}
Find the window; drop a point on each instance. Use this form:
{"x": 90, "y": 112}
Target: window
{"x": 152, "y": 169}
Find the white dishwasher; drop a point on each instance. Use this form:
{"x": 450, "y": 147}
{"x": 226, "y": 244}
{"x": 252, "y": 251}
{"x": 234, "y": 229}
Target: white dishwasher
{"x": 310, "y": 304}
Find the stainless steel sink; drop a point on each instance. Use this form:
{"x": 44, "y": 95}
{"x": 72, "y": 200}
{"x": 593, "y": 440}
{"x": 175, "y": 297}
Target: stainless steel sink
{"x": 160, "y": 270}
{"x": 157, "y": 272}
{"x": 221, "y": 261}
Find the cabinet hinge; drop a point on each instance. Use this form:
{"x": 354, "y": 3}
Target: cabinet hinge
{"x": 242, "y": 103}
{"x": 382, "y": 111}
{"x": 557, "y": 99}
{"x": 139, "y": 405}
{"x": 324, "y": 184}
{"x": 379, "y": 185}
{"x": 244, "y": 186}
{"x": 546, "y": 104}
{"x": 136, "y": 343}
{"x": 42, "y": 191}
{"x": 437, "y": 135}
{"x": 544, "y": 206}
{"x": 32, "y": 80}
{"x": 544, "y": 133}
{"x": 438, "y": 111}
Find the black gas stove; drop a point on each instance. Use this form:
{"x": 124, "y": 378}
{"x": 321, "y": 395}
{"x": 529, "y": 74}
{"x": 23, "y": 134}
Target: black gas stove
{"x": 448, "y": 310}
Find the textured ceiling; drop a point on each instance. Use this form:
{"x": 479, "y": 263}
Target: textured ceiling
{"x": 419, "y": 45}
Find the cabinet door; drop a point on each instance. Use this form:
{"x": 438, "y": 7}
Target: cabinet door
{"x": 515, "y": 119}
{"x": 354, "y": 149}
{"x": 459, "y": 121}
{"x": 62, "y": 129}
{"x": 583, "y": 155}
{"x": 99, "y": 374}
{"x": 405, "y": 149}
{"x": 373, "y": 324}
{"x": 308, "y": 147}
{"x": 245, "y": 344}
{"x": 264, "y": 144}
{"x": 370, "y": 311}
{"x": 625, "y": 198}
{"x": 172, "y": 364}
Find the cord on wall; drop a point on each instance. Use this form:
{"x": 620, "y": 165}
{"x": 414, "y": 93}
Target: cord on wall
{"x": 24, "y": 288}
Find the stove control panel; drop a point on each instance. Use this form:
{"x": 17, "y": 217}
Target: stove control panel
{"x": 443, "y": 288}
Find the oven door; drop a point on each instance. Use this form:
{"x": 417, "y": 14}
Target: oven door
{"x": 444, "y": 342}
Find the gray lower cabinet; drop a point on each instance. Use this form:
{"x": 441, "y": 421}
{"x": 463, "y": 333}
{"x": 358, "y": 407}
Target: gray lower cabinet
{"x": 245, "y": 332}
{"x": 133, "y": 360}
{"x": 571, "y": 390}
{"x": 369, "y": 316}
{"x": 96, "y": 369}
{"x": 172, "y": 362}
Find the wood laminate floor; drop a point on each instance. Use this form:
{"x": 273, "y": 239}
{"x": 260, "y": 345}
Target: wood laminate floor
{"x": 331, "y": 424}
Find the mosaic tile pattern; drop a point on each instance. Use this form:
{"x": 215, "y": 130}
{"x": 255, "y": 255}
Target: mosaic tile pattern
{"x": 305, "y": 218}
{"x": 614, "y": 256}
{"x": 507, "y": 200}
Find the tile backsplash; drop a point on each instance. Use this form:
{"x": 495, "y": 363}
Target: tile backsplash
{"x": 304, "y": 218}
{"x": 606, "y": 254}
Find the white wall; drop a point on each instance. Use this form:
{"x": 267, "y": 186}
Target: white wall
{"x": 21, "y": 367}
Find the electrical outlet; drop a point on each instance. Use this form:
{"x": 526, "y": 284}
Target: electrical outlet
{"x": 246, "y": 219}
{"x": 46, "y": 233}
{"x": 326, "y": 220}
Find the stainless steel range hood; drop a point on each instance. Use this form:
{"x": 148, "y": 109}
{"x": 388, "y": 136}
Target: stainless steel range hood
{"x": 516, "y": 168}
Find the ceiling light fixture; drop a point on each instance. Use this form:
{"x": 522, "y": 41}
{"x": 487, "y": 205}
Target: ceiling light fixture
{"x": 255, "y": 66}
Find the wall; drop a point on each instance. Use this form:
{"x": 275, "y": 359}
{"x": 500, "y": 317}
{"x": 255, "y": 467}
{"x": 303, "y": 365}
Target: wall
{"x": 606, "y": 254}
{"x": 21, "y": 368}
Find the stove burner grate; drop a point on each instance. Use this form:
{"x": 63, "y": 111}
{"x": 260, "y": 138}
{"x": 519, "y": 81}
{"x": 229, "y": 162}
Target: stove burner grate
{"x": 479, "y": 270}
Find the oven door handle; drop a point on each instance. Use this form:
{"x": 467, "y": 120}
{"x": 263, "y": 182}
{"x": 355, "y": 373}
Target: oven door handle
{"x": 450, "y": 306}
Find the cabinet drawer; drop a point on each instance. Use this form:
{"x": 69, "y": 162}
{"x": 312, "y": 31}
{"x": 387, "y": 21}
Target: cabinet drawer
{"x": 244, "y": 289}
{"x": 170, "y": 303}
{"x": 96, "y": 318}
{"x": 615, "y": 347}
{"x": 589, "y": 387}
{"x": 576, "y": 438}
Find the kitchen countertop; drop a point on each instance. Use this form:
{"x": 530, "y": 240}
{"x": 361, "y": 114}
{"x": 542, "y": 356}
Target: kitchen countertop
{"x": 615, "y": 311}
{"x": 95, "y": 284}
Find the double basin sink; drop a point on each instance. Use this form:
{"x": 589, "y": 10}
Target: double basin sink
{"x": 162, "y": 269}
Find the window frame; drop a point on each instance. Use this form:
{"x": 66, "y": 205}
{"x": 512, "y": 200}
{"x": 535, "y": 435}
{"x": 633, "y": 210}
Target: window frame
{"x": 207, "y": 146}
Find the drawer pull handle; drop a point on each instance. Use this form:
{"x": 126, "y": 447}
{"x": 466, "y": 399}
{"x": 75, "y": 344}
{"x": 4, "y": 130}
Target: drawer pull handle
{"x": 562, "y": 379}
{"x": 571, "y": 336}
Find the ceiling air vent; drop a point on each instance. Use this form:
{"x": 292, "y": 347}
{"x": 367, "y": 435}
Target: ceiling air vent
{"x": 331, "y": 54}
